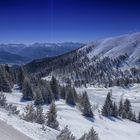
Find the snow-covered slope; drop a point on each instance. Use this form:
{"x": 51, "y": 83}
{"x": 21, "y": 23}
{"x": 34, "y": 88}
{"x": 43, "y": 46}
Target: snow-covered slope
{"x": 116, "y": 46}
{"x": 109, "y": 129}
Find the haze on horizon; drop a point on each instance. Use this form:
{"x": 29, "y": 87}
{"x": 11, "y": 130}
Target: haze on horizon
{"x": 29, "y": 21}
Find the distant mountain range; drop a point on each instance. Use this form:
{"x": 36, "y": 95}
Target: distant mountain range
{"x": 21, "y": 53}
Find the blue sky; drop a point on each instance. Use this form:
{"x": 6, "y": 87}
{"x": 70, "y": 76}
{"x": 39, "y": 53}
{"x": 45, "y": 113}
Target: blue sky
{"x": 29, "y": 21}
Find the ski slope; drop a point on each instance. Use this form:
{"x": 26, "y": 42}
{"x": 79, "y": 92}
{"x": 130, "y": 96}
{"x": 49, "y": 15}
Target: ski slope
{"x": 67, "y": 115}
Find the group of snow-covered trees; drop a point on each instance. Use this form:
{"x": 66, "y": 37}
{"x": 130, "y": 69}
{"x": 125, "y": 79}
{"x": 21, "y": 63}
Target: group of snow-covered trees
{"x": 81, "y": 70}
{"x": 44, "y": 92}
{"x": 10, "y": 108}
{"x": 35, "y": 114}
{"x": 66, "y": 134}
{"x": 6, "y": 78}
{"x": 124, "y": 110}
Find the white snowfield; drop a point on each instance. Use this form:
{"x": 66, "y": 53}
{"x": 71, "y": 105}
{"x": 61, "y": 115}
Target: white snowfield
{"x": 108, "y": 129}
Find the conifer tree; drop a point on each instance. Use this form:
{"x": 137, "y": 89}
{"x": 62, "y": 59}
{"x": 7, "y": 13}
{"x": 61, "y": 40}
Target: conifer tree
{"x": 63, "y": 92}
{"x": 39, "y": 115}
{"x": 107, "y": 107}
{"x": 4, "y": 82}
{"x": 133, "y": 117}
{"x": 86, "y": 106}
{"x": 27, "y": 89}
{"x": 138, "y": 118}
{"x": 91, "y": 135}
{"x": 70, "y": 97}
{"x": 55, "y": 88}
{"x": 127, "y": 105}
{"x": 20, "y": 75}
{"x": 38, "y": 97}
{"x": 3, "y": 100}
{"x": 50, "y": 97}
{"x": 124, "y": 114}
{"x": 46, "y": 92}
{"x": 29, "y": 113}
{"x": 75, "y": 94}
{"x": 65, "y": 134}
{"x": 120, "y": 108}
{"x": 114, "y": 110}
{"x": 52, "y": 117}
{"x": 128, "y": 109}
{"x": 83, "y": 137}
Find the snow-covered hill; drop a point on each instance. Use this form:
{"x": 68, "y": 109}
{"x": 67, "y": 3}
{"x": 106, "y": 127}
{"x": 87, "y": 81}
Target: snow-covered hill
{"x": 115, "y": 46}
{"x": 67, "y": 115}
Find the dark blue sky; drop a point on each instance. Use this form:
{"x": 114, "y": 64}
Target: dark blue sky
{"x": 28, "y": 21}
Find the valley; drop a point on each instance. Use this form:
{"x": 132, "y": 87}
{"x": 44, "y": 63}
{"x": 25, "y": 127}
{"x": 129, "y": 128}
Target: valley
{"x": 93, "y": 91}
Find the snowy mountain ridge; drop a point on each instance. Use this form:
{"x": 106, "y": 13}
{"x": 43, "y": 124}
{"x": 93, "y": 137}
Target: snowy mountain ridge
{"x": 115, "y": 46}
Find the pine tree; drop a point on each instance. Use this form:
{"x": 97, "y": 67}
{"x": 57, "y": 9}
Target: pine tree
{"x": 70, "y": 97}
{"x": 133, "y": 117}
{"x": 127, "y": 105}
{"x": 27, "y": 89}
{"x": 20, "y": 75}
{"x": 124, "y": 114}
{"x": 12, "y": 109}
{"x": 55, "y": 88}
{"x": 129, "y": 115}
{"x": 65, "y": 134}
{"x": 75, "y": 94}
{"x": 107, "y": 107}
{"x": 120, "y": 108}
{"x": 39, "y": 115}
{"x": 92, "y": 135}
{"x": 138, "y": 118}
{"x": 52, "y": 117}
{"x": 83, "y": 137}
{"x": 50, "y": 97}
{"x": 114, "y": 110}
{"x": 46, "y": 93}
{"x": 29, "y": 113}
{"x": 128, "y": 109}
{"x": 86, "y": 106}
{"x": 4, "y": 83}
{"x": 3, "y": 100}
{"x": 38, "y": 97}
{"x": 63, "y": 92}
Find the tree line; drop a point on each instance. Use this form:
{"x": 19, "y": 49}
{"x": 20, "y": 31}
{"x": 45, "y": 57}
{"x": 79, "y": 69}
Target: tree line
{"x": 123, "y": 110}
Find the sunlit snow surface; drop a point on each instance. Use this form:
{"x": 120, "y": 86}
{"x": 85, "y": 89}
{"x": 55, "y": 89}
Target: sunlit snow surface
{"x": 108, "y": 129}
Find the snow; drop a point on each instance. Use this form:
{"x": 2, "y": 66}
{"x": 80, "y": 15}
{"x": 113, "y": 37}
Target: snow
{"x": 67, "y": 115}
{"x": 116, "y": 46}
{"x": 11, "y": 133}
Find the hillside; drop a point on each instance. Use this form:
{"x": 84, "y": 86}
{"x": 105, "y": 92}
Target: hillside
{"x": 122, "y": 129}
{"x": 115, "y": 46}
{"x": 109, "y": 60}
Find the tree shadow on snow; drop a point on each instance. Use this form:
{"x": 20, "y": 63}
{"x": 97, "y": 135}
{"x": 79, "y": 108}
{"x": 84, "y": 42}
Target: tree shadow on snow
{"x": 24, "y": 100}
{"x": 114, "y": 119}
{"x": 91, "y": 119}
